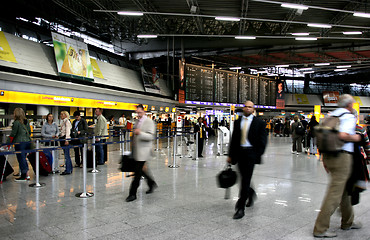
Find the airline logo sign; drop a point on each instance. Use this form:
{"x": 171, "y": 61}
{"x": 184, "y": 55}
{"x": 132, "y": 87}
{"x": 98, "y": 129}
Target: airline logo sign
{"x": 330, "y": 98}
{"x": 6, "y": 53}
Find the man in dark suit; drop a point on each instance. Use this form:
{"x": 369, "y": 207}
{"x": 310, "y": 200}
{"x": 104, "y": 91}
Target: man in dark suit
{"x": 79, "y": 129}
{"x": 200, "y": 129}
{"x": 248, "y": 143}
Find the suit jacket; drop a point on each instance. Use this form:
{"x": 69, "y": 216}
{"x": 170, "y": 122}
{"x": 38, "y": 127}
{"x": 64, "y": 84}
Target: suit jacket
{"x": 143, "y": 143}
{"x": 82, "y": 127}
{"x": 257, "y": 137}
{"x": 197, "y": 129}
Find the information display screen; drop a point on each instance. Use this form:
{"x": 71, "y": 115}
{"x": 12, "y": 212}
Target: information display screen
{"x": 199, "y": 83}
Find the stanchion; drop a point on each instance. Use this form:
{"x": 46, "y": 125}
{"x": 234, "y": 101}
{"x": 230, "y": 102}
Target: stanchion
{"x": 84, "y": 194}
{"x": 54, "y": 153}
{"x": 196, "y": 147}
{"x": 128, "y": 141}
{"x": 3, "y": 174}
{"x": 181, "y": 147}
{"x": 168, "y": 135}
{"x": 157, "y": 148}
{"x": 37, "y": 162}
{"x": 121, "y": 140}
{"x": 94, "y": 170}
{"x": 174, "y": 152}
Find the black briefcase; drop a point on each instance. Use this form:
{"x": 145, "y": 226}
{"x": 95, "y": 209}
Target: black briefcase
{"x": 227, "y": 177}
{"x": 128, "y": 163}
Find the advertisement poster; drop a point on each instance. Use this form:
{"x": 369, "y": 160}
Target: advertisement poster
{"x": 280, "y": 95}
{"x": 6, "y": 53}
{"x": 301, "y": 99}
{"x": 330, "y": 98}
{"x": 96, "y": 70}
{"x": 182, "y": 82}
{"x": 72, "y": 57}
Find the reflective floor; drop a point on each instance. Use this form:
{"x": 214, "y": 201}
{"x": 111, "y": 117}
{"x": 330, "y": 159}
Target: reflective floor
{"x": 187, "y": 204}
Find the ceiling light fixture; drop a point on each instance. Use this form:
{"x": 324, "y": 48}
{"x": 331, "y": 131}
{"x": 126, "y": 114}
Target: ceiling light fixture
{"x": 235, "y": 68}
{"x": 128, "y": 13}
{"x": 305, "y": 38}
{"x": 245, "y": 37}
{"x": 309, "y": 72}
{"x": 322, "y": 64}
{"x": 305, "y": 69}
{"x": 282, "y": 66}
{"x": 352, "y": 33}
{"x": 360, "y": 14}
{"x": 147, "y": 36}
{"x": 340, "y": 70}
{"x": 295, "y": 6}
{"x": 344, "y": 66}
{"x": 232, "y": 19}
{"x": 300, "y": 34}
{"x": 319, "y": 25}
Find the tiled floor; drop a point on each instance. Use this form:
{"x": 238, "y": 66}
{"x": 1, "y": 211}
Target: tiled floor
{"x": 187, "y": 204}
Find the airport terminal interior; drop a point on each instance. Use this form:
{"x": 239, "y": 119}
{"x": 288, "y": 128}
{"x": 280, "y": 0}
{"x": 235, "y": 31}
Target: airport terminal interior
{"x": 170, "y": 84}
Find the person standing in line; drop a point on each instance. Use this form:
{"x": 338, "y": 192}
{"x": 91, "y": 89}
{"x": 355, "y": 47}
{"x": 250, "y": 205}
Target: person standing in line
{"x": 79, "y": 130}
{"x": 21, "y": 134}
{"x": 99, "y": 131}
{"x": 65, "y": 133}
{"x": 297, "y": 138}
{"x": 311, "y": 135}
{"x": 215, "y": 126}
{"x": 50, "y": 130}
{"x": 144, "y": 131}
{"x": 248, "y": 143}
{"x": 122, "y": 120}
{"x": 339, "y": 166}
{"x": 199, "y": 128}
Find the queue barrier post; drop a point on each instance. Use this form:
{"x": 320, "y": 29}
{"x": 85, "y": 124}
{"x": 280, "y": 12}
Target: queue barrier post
{"x": 37, "y": 162}
{"x": 174, "y": 151}
{"x": 54, "y": 153}
{"x": 168, "y": 139}
{"x": 196, "y": 147}
{"x": 94, "y": 170}
{"x": 3, "y": 173}
{"x": 157, "y": 148}
{"x": 84, "y": 194}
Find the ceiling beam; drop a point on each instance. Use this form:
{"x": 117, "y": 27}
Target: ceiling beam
{"x": 156, "y": 20}
{"x": 198, "y": 20}
{"x": 243, "y": 26}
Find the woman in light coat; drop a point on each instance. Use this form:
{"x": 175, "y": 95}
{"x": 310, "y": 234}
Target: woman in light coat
{"x": 65, "y": 133}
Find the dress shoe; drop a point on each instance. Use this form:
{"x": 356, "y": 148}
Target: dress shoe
{"x": 130, "y": 198}
{"x": 200, "y": 156}
{"x": 151, "y": 188}
{"x": 65, "y": 173}
{"x": 239, "y": 214}
{"x": 325, "y": 235}
{"x": 354, "y": 225}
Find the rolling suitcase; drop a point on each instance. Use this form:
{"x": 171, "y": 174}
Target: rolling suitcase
{"x": 45, "y": 167}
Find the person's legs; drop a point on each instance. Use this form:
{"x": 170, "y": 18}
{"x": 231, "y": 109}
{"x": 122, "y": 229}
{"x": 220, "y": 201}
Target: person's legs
{"x": 100, "y": 152}
{"x": 136, "y": 182}
{"x": 21, "y": 157}
{"x": 246, "y": 171}
{"x": 299, "y": 143}
{"x": 77, "y": 153}
{"x": 340, "y": 170}
{"x": 294, "y": 149}
{"x": 200, "y": 146}
{"x": 68, "y": 162}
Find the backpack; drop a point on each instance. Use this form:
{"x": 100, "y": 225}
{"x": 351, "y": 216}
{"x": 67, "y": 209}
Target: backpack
{"x": 299, "y": 130}
{"x": 327, "y": 135}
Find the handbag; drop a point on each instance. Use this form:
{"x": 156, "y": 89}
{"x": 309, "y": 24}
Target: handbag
{"x": 227, "y": 177}
{"x": 128, "y": 163}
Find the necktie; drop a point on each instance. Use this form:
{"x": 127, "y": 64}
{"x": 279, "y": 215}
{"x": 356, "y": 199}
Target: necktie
{"x": 243, "y": 138}
{"x": 200, "y": 132}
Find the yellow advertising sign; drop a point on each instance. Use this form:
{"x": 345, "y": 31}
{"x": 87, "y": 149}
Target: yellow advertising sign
{"x": 358, "y": 100}
{"x": 356, "y": 106}
{"x": 317, "y": 112}
{"x": 301, "y": 99}
{"x": 41, "y": 99}
{"x": 6, "y": 53}
{"x": 96, "y": 70}
{"x": 167, "y": 109}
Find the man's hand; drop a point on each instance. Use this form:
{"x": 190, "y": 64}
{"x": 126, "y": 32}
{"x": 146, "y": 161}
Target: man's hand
{"x": 137, "y": 131}
{"x": 228, "y": 160}
{"x": 78, "y": 132}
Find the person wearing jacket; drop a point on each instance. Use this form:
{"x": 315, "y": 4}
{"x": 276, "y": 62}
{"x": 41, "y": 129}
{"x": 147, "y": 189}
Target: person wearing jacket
{"x": 297, "y": 139}
{"x": 311, "y": 135}
{"x": 21, "y": 134}
{"x": 65, "y": 133}
{"x": 248, "y": 143}
{"x": 200, "y": 129}
{"x": 100, "y": 130}
{"x": 144, "y": 131}
{"x": 79, "y": 130}
{"x": 50, "y": 130}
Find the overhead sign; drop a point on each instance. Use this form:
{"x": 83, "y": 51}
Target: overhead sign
{"x": 6, "y": 53}
{"x": 72, "y": 57}
{"x": 96, "y": 70}
{"x": 317, "y": 112}
{"x": 301, "y": 99}
{"x": 330, "y": 98}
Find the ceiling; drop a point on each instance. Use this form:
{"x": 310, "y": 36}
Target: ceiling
{"x": 190, "y": 24}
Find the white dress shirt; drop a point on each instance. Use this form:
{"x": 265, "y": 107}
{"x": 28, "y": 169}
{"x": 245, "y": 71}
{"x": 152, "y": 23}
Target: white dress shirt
{"x": 348, "y": 125}
{"x": 249, "y": 119}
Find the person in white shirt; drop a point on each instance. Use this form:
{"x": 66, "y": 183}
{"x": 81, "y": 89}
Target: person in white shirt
{"x": 122, "y": 120}
{"x": 65, "y": 133}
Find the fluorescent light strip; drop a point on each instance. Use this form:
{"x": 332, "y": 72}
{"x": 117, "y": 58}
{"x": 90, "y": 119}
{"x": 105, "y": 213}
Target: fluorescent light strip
{"x": 360, "y": 14}
{"x": 147, "y": 36}
{"x": 352, "y": 33}
{"x": 344, "y": 66}
{"x": 245, "y": 37}
{"x": 232, "y": 19}
{"x": 319, "y": 25}
{"x": 305, "y": 69}
{"x": 322, "y": 64}
{"x": 235, "y": 68}
{"x": 340, "y": 70}
{"x": 282, "y": 66}
{"x": 295, "y": 6}
{"x": 305, "y": 38}
{"x": 300, "y": 34}
{"x": 308, "y": 72}
{"x": 127, "y": 13}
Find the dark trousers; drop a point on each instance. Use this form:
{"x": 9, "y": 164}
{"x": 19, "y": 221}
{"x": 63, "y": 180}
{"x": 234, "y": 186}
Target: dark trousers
{"x": 21, "y": 157}
{"x": 78, "y": 152}
{"x": 200, "y": 146}
{"x": 246, "y": 167}
{"x": 100, "y": 151}
{"x": 139, "y": 171}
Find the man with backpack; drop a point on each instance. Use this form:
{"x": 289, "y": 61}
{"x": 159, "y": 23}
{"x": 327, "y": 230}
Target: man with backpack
{"x": 298, "y": 131}
{"x": 338, "y": 160}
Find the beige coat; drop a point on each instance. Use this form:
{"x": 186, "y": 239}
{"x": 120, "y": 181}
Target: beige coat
{"x": 143, "y": 143}
{"x": 101, "y": 126}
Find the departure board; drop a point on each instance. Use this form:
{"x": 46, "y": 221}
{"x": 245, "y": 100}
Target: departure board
{"x": 244, "y": 88}
{"x": 233, "y": 87}
{"x": 199, "y": 83}
{"x": 222, "y": 86}
{"x": 254, "y": 89}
